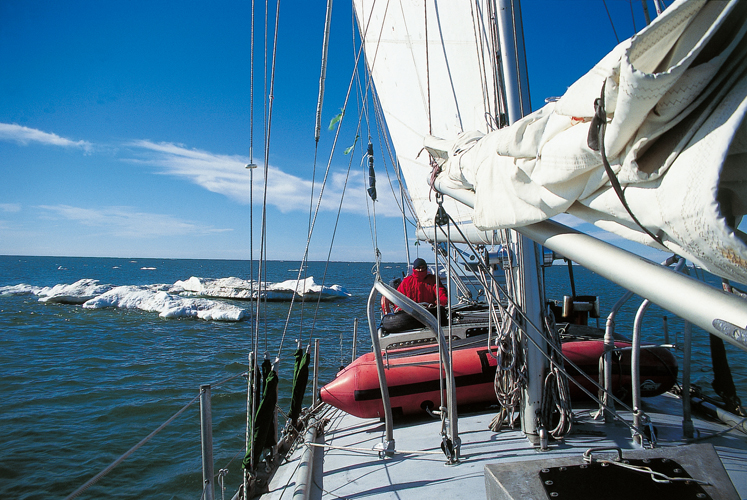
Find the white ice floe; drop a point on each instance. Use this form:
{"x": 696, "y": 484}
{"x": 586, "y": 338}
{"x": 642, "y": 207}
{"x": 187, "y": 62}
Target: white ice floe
{"x": 306, "y": 290}
{"x": 165, "y": 304}
{"x": 183, "y": 298}
{"x": 226, "y": 288}
{"x": 77, "y": 293}
{"x": 236, "y": 288}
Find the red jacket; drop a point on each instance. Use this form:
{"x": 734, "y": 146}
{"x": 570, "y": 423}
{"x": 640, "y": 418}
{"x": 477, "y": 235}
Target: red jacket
{"x": 423, "y": 289}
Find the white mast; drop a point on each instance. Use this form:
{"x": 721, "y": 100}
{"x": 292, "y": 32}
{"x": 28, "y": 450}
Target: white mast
{"x": 530, "y": 292}
{"x": 406, "y": 44}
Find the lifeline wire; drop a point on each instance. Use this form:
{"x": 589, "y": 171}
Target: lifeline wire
{"x": 129, "y": 452}
{"x": 132, "y": 450}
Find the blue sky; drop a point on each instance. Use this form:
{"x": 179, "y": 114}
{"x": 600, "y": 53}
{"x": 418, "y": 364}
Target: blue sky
{"x": 125, "y": 126}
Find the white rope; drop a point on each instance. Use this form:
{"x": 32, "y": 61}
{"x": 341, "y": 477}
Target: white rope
{"x": 657, "y": 477}
{"x": 508, "y": 377}
{"x": 717, "y": 434}
{"x": 373, "y": 451}
{"x": 556, "y": 395}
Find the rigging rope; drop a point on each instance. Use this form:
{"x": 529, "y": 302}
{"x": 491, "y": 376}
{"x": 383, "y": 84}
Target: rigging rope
{"x": 321, "y": 191}
{"x": 261, "y": 298}
{"x": 317, "y": 133}
{"x": 500, "y": 97}
{"x": 404, "y": 196}
{"x": 512, "y": 306}
{"x": 657, "y": 477}
{"x": 632, "y": 16}
{"x": 595, "y": 140}
{"x": 363, "y": 113}
{"x": 373, "y": 231}
{"x": 427, "y": 68}
{"x": 354, "y": 78}
{"x": 611, "y": 23}
{"x": 478, "y": 26}
{"x": 325, "y": 47}
{"x": 556, "y": 399}
{"x": 251, "y": 403}
{"x": 332, "y": 242}
{"x": 373, "y": 451}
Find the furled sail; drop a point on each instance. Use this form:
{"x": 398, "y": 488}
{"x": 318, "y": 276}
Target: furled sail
{"x": 675, "y": 97}
{"x": 433, "y": 67}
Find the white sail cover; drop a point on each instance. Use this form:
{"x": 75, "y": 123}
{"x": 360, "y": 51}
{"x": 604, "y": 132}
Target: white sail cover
{"x": 676, "y": 138}
{"x": 443, "y": 87}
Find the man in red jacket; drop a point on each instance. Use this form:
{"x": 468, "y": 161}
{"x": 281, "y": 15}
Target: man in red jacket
{"x": 421, "y": 287}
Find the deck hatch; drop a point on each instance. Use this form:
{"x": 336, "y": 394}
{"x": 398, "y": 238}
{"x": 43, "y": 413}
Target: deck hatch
{"x": 605, "y": 480}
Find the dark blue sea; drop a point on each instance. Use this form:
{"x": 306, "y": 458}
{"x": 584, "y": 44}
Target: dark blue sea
{"x": 82, "y": 386}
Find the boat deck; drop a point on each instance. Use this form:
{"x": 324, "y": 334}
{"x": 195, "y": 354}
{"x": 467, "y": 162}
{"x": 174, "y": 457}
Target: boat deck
{"x": 418, "y": 468}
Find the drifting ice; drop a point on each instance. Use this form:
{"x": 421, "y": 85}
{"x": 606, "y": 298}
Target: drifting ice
{"x": 236, "y": 288}
{"x": 182, "y": 299}
{"x": 77, "y": 293}
{"x": 165, "y": 304}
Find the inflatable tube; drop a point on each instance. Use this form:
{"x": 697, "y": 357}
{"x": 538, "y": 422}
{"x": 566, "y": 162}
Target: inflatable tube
{"x": 400, "y": 321}
{"x": 412, "y": 376}
{"x": 658, "y": 371}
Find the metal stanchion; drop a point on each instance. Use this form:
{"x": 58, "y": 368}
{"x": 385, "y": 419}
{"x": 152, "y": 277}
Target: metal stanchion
{"x": 355, "y": 338}
{"x": 315, "y": 390}
{"x": 206, "y": 435}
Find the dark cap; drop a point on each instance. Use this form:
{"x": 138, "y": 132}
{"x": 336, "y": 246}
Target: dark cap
{"x": 418, "y": 263}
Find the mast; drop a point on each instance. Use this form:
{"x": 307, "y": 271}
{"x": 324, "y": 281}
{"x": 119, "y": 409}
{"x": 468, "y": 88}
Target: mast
{"x": 530, "y": 293}
{"x": 405, "y": 46}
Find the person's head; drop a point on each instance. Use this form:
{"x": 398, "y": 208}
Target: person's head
{"x": 419, "y": 268}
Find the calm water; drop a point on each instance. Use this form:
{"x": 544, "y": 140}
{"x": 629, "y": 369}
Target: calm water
{"x": 81, "y": 386}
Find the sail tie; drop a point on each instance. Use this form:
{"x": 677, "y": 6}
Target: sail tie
{"x": 595, "y": 141}
{"x": 371, "y": 173}
{"x": 435, "y": 170}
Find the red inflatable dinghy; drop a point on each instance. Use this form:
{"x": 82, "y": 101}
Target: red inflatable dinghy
{"x": 412, "y": 387}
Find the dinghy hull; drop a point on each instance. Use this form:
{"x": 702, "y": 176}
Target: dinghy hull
{"x": 414, "y": 384}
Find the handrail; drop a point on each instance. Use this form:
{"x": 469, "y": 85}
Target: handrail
{"x": 635, "y": 370}
{"x": 609, "y": 344}
{"x": 388, "y": 425}
{"x": 609, "y": 340}
{"x": 421, "y": 314}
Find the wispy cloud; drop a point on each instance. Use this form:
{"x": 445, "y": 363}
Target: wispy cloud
{"x": 24, "y": 135}
{"x": 227, "y": 175}
{"x": 130, "y": 223}
{"x": 10, "y": 207}
{"x": 223, "y": 174}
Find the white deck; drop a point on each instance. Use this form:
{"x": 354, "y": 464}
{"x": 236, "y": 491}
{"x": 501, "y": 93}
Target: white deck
{"x": 410, "y": 474}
